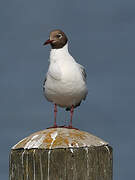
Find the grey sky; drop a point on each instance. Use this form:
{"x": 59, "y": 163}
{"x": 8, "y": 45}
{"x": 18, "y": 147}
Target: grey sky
{"x": 101, "y": 37}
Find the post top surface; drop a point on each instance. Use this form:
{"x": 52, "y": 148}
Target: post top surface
{"x": 59, "y": 138}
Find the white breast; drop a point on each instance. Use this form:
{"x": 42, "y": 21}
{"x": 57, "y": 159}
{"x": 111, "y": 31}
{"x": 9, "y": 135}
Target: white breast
{"x": 64, "y": 85}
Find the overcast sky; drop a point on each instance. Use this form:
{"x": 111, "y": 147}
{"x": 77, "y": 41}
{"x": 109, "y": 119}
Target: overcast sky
{"x": 101, "y": 37}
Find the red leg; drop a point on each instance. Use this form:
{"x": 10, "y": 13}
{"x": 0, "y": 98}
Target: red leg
{"x": 55, "y": 112}
{"x": 71, "y": 116}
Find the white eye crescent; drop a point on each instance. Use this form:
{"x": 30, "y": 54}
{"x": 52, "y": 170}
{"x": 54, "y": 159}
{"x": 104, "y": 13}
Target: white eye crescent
{"x": 59, "y": 36}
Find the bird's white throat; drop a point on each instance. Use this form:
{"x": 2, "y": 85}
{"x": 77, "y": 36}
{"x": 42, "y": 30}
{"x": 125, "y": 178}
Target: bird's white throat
{"x": 59, "y": 53}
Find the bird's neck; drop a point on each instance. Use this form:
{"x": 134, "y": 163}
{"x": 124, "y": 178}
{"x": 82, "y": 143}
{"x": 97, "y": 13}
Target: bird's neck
{"x": 59, "y": 54}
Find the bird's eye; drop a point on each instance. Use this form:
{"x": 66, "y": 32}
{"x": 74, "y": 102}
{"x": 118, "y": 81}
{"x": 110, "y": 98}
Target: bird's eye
{"x": 59, "y": 36}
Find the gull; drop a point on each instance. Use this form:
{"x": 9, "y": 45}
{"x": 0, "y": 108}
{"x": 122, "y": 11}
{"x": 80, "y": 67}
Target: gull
{"x": 65, "y": 82}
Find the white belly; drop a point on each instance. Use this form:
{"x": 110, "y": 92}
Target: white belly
{"x": 65, "y": 94}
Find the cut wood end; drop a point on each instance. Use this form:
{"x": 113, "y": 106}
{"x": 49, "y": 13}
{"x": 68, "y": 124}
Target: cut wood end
{"x": 59, "y": 138}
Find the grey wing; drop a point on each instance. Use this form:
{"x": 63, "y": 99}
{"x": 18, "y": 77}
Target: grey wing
{"x": 84, "y": 75}
{"x": 44, "y": 83}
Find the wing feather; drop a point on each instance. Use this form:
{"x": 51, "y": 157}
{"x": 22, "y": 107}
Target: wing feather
{"x": 82, "y": 69}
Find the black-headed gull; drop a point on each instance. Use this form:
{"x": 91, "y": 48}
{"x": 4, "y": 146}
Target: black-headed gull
{"x": 65, "y": 82}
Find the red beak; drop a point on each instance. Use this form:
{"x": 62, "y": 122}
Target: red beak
{"x": 47, "y": 42}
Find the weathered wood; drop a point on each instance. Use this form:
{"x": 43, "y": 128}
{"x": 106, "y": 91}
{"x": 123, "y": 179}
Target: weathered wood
{"x": 55, "y": 161}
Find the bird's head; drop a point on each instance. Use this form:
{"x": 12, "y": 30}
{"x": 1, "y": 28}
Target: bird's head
{"x": 57, "y": 39}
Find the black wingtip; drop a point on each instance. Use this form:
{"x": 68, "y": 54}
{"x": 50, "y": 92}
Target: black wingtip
{"x": 68, "y": 109}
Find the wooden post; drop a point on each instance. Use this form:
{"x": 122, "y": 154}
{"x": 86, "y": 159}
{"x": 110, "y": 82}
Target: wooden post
{"x": 61, "y": 154}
